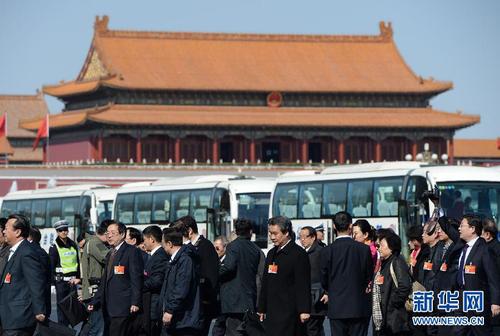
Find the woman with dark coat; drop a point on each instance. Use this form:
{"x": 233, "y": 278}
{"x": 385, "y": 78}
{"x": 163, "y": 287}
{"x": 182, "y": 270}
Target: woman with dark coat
{"x": 392, "y": 285}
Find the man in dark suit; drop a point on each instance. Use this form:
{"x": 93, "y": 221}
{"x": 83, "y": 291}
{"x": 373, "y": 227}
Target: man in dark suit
{"x": 346, "y": 274}
{"x": 154, "y": 273}
{"x": 285, "y": 298}
{"x": 490, "y": 234}
{"x": 120, "y": 290}
{"x": 209, "y": 268}
{"x": 238, "y": 275}
{"x": 477, "y": 271}
{"x": 314, "y": 327}
{"x": 22, "y": 300}
{"x": 35, "y": 237}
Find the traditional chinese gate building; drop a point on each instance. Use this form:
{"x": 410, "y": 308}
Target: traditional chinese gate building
{"x": 205, "y": 96}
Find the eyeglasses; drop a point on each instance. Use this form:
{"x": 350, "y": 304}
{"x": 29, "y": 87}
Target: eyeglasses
{"x": 63, "y": 230}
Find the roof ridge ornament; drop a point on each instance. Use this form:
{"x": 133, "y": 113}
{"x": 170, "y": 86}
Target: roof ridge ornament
{"x": 386, "y": 30}
{"x": 101, "y": 24}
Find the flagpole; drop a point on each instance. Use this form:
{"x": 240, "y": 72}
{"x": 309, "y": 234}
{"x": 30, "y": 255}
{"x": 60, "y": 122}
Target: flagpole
{"x": 47, "y": 143}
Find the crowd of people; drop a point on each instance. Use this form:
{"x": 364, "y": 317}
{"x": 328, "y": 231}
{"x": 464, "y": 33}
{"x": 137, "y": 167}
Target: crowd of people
{"x": 173, "y": 281}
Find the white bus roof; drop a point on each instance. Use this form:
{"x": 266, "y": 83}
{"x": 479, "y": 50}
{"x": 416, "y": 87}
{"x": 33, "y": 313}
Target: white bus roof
{"x": 458, "y": 173}
{"x": 186, "y": 183}
{"x": 358, "y": 171}
{"x": 258, "y": 185}
{"x": 372, "y": 167}
{"x": 300, "y": 173}
{"x": 194, "y": 179}
{"x": 71, "y": 190}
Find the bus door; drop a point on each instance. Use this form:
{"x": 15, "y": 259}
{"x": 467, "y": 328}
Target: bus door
{"x": 219, "y": 216}
{"x": 84, "y": 221}
{"x": 412, "y": 208}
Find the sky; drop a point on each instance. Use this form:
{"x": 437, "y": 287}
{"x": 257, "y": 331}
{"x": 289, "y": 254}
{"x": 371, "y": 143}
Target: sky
{"x": 44, "y": 42}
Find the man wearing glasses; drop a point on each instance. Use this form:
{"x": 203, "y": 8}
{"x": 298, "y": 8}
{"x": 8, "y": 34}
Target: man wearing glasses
{"x": 120, "y": 290}
{"x": 65, "y": 265}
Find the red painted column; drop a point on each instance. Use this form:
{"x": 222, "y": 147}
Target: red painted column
{"x": 44, "y": 148}
{"x": 177, "y": 150}
{"x": 305, "y": 151}
{"x": 414, "y": 150}
{"x": 138, "y": 149}
{"x": 215, "y": 150}
{"x": 341, "y": 152}
{"x": 252, "y": 151}
{"x": 378, "y": 151}
{"x": 99, "y": 148}
{"x": 451, "y": 152}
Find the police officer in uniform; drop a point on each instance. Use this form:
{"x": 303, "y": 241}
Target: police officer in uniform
{"x": 65, "y": 265}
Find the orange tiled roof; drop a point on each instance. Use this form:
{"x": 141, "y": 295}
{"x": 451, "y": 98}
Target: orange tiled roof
{"x": 477, "y": 148}
{"x": 21, "y": 107}
{"x": 245, "y": 62}
{"x": 167, "y": 115}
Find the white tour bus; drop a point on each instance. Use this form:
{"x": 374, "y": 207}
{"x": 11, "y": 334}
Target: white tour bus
{"x": 214, "y": 201}
{"x": 462, "y": 189}
{"x": 373, "y": 192}
{"x": 83, "y": 206}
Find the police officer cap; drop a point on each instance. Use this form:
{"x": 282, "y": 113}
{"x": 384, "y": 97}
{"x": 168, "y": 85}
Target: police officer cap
{"x": 62, "y": 224}
{"x": 319, "y": 228}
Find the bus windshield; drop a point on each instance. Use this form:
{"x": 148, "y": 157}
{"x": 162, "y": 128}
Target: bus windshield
{"x": 104, "y": 209}
{"x": 255, "y": 207}
{"x": 459, "y": 198}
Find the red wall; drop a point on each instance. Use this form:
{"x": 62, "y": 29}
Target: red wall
{"x": 76, "y": 150}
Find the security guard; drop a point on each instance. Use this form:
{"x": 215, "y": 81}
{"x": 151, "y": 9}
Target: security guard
{"x": 65, "y": 265}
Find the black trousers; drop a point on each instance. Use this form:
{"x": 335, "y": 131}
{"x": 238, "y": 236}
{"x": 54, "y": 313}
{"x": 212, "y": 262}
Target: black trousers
{"x": 232, "y": 323}
{"x": 349, "y": 327}
{"x": 19, "y": 332}
{"x": 314, "y": 327}
{"x": 182, "y": 332}
{"x": 219, "y": 328}
{"x": 63, "y": 289}
{"x": 116, "y": 326}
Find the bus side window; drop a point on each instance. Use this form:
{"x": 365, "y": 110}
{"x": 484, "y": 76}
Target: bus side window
{"x": 53, "y": 211}
{"x": 142, "y": 208}
{"x": 24, "y": 208}
{"x": 161, "y": 207}
{"x": 69, "y": 208}
{"x": 200, "y": 201}
{"x": 386, "y": 195}
{"x": 180, "y": 204}
{"x": 285, "y": 201}
{"x": 125, "y": 208}
{"x": 310, "y": 200}
{"x": 359, "y": 198}
{"x": 8, "y": 208}
{"x": 334, "y": 198}
{"x": 38, "y": 212}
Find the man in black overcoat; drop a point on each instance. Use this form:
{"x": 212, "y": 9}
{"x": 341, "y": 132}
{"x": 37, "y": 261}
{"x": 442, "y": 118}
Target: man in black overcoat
{"x": 308, "y": 240}
{"x": 346, "y": 275}
{"x": 22, "y": 285}
{"x": 154, "y": 273}
{"x": 208, "y": 268}
{"x": 238, "y": 275}
{"x": 285, "y": 298}
{"x": 120, "y": 290}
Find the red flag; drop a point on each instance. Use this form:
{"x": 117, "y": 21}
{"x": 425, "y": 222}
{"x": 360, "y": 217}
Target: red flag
{"x": 3, "y": 125}
{"x": 43, "y": 131}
